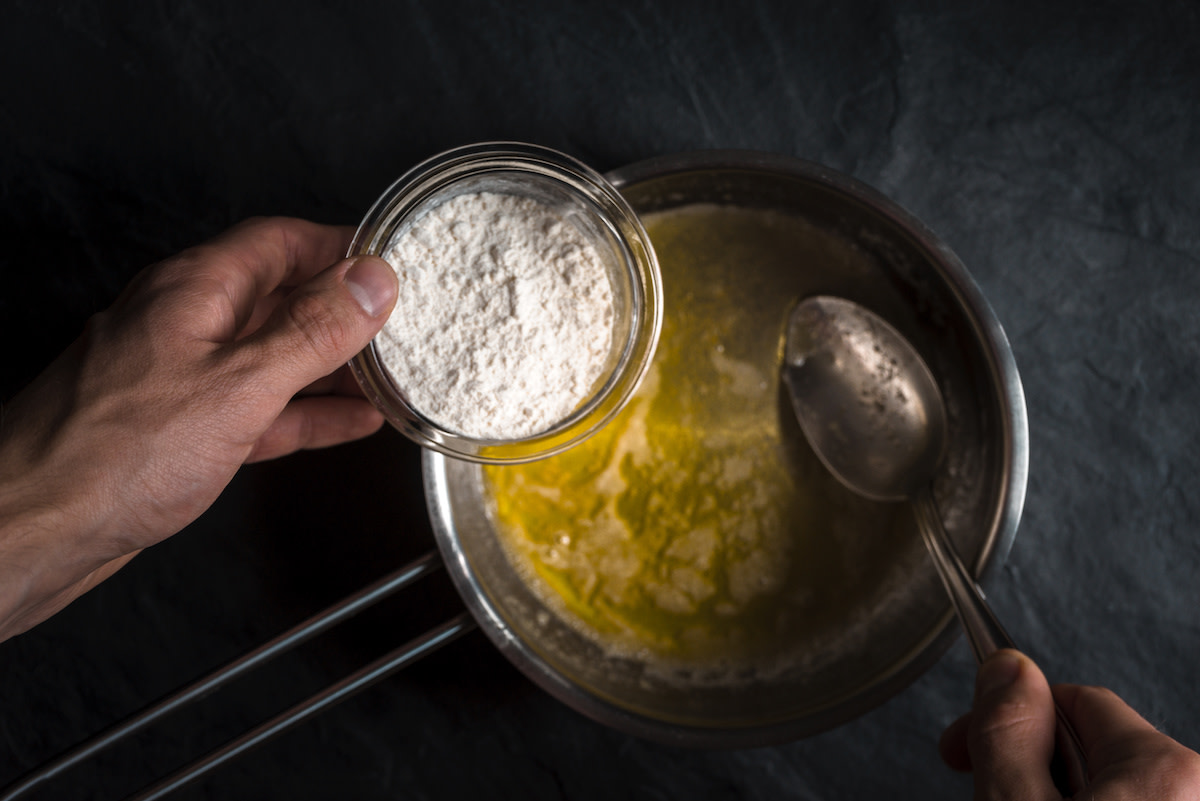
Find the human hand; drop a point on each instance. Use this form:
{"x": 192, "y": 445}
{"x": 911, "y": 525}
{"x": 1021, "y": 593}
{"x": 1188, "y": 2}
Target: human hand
{"x": 1007, "y": 740}
{"x": 231, "y": 352}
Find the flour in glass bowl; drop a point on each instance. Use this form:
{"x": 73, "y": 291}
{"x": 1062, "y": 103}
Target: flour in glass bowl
{"x": 504, "y": 318}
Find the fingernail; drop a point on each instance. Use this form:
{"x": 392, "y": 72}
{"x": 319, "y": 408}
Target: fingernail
{"x": 999, "y": 671}
{"x": 372, "y": 283}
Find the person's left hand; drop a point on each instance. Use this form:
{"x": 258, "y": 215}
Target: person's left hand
{"x": 225, "y": 354}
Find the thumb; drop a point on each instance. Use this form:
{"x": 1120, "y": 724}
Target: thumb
{"x": 326, "y": 320}
{"x": 1011, "y": 731}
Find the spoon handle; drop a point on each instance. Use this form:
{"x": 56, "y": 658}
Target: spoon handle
{"x": 984, "y": 631}
{"x": 987, "y": 636}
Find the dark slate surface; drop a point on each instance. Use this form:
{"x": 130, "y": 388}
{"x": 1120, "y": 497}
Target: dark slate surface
{"x": 1054, "y": 145}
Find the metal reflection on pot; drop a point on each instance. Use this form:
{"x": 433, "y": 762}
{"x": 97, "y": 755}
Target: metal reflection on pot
{"x": 693, "y": 574}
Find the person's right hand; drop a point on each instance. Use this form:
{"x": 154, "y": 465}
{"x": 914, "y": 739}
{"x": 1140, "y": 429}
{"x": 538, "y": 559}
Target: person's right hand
{"x": 1007, "y": 740}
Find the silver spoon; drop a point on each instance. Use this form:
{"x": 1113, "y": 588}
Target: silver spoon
{"x": 873, "y": 413}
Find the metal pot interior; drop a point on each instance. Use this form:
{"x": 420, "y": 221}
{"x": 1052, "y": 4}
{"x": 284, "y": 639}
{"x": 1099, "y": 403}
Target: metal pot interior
{"x": 902, "y": 621}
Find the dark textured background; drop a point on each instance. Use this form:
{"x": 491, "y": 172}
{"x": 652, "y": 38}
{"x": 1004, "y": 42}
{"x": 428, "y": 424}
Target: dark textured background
{"x": 1054, "y": 145}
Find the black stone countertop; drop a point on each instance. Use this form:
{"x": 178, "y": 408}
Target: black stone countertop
{"x": 1054, "y": 145}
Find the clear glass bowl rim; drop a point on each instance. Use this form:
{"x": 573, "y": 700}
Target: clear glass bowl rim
{"x": 445, "y": 169}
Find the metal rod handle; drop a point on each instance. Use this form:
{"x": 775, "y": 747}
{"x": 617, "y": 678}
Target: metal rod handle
{"x": 381, "y": 668}
{"x": 298, "y": 634}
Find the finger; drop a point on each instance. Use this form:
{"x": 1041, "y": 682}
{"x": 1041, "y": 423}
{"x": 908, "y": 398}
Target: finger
{"x": 323, "y": 324}
{"x": 278, "y": 251}
{"x": 1128, "y": 755}
{"x": 339, "y": 382}
{"x": 308, "y": 423}
{"x": 263, "y": 308}
{"x": 251, "y": 261}
{"x": 1099, "y": 715}
{"x": 1109, "y": 729}
{"x": 953, "y": 745}
{"x": 1011, "y": 733}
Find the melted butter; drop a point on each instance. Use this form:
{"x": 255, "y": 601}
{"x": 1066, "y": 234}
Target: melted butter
{"x": 698, "y": 525}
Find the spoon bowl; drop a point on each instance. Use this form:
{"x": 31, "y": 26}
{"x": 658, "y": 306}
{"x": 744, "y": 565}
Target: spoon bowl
{"x": 872, "y": 411}
{"x": 864, "y": 398}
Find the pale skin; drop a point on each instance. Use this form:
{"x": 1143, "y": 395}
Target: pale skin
{"x": 234, "y": 351}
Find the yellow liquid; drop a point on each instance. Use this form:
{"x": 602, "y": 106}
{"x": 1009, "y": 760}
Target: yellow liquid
{"x": 698, "y": 525}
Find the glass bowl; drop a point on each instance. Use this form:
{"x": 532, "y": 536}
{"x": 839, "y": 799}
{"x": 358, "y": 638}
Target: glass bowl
{"x": 583, "y": 199}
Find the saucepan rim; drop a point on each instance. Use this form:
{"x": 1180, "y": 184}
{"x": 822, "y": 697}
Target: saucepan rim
{"x": 1006, "y": 384}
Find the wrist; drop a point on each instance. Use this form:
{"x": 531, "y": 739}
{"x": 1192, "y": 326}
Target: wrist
{"x": 33, "y": 538}
{"x": 51, "y": 527}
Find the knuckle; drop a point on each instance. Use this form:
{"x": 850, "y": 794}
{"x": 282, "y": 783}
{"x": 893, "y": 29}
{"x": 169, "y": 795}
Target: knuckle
{"x": 258, "y": 223}
{"x": 318, "y": 324}
{"x": 1003, "y": 723}
{"x": 186, "y": 306}
{"x": 1166, "y": 771}
{"x": 185, "y": 265}
{"x": 1181, "y": 769}
{"x": 275, "y": 229}
{"x": 1009, "y": 712}
{"x": 996, "y": 736}
{"x": 1094, "y": 695}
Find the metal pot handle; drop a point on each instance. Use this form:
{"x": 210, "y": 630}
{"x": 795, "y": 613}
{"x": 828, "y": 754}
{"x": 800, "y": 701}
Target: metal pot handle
{"x": 406, "y": 654}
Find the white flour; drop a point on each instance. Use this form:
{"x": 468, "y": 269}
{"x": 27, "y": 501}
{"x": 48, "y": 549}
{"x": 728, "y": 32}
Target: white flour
{"x": 504, "y": 318}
